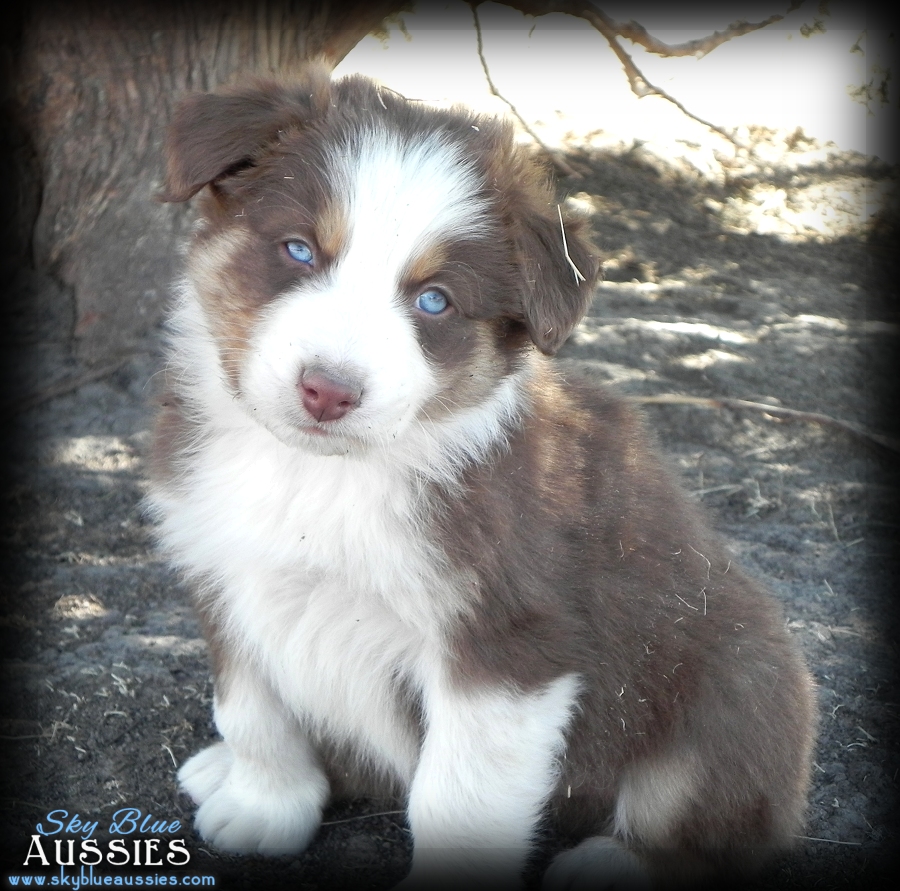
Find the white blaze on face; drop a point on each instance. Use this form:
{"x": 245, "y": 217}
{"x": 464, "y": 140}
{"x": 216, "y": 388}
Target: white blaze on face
{"x": 399, "y": 199}
{"x": 404, "y": 198}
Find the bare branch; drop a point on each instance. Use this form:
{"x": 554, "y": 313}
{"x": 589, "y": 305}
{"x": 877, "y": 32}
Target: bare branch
{"x": 699, "y": 47}
{"x": 612, "y": 31}
{"x": 560, "y": 163}
{"x": 640, "y": 86}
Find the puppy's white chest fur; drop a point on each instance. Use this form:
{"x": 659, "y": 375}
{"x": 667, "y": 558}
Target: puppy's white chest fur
{"x": 324, "y": 580}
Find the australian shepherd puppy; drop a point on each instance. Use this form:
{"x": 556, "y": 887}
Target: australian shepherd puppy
{"x": 425, "y": 562}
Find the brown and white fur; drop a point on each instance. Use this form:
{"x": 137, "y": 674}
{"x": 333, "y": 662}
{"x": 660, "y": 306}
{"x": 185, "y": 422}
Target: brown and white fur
{"x": 423, "y": 559}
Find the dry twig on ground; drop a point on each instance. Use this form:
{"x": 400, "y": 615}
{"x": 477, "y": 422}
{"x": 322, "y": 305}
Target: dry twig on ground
{"x": 790, "y": 414}
{"x": 62, "y": 387}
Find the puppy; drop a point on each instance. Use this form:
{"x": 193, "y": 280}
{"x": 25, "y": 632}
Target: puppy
{"x": 426, "y": 564}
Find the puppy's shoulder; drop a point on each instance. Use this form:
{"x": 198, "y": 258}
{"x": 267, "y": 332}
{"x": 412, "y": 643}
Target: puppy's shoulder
{"x": 589, "y": 423}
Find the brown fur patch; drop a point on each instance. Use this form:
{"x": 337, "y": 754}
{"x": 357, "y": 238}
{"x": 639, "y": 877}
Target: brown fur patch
{"x": 332, "y": 227}
{"x": 423, "y": 266}
{"x": 585, "y": 559}
{"x": 471, "y": 379}
{"x": 172, "y": 432}
{"x": 230, "y": 308}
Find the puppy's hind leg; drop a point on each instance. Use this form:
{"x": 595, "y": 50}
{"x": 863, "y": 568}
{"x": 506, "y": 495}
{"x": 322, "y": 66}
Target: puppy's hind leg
{"x": 262, "y": 790}
{"x": 598, "y": 863}
{"x": 678, "y": 823}
{"x": 651, "y": 803}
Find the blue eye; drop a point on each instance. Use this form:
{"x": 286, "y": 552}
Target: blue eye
{"x": 299, "y": 251}
{"x": 432, "y": 301}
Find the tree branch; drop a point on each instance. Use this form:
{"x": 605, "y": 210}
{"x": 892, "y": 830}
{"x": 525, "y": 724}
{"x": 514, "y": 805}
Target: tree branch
{"x": 560, "y": 163}
{"x": 699, "y": 47}
{"x": 639, "y": 84}
{"x": 612, "y": 31}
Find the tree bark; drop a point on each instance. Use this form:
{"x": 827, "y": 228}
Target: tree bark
{"x": 93, "y": 86}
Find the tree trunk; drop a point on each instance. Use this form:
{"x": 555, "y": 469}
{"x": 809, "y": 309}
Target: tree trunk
{"x": 94, "y": 85}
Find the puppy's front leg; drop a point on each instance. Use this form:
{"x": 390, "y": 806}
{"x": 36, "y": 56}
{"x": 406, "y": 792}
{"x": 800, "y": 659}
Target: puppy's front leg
{"x": 262, "y": 790}
{"x": 489, "y": 761}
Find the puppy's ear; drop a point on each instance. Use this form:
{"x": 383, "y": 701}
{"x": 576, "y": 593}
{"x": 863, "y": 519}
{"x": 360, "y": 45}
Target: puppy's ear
{"x": 560, "y": 271}
{"x": 212, "y": 134}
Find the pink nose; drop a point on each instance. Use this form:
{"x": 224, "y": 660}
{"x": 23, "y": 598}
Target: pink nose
{"x": 325, "y": 397}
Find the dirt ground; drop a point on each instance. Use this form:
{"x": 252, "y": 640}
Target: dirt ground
{"x": 764, "y": 286}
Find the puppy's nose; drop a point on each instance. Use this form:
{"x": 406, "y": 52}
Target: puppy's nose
{"x": 327, "y": 397}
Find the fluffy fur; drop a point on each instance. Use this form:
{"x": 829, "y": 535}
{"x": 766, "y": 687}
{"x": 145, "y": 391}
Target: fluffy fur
{"x": 426, "y": 564}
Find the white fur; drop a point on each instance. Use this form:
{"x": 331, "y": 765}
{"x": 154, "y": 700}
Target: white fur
{"x": 488, "y": 764}
{"x": 316, "y": 555}
{"x": 403, "y": 197}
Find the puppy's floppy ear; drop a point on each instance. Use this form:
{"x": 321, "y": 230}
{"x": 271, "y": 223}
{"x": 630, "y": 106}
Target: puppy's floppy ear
{"x": 560, "y": 271}
{"x": 214, "y": 133}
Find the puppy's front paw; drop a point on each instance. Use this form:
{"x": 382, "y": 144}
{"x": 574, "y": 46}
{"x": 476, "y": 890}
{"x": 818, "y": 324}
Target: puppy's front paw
{"x": 595, "y": 864}
{"x": 247, "y": 811}
{"x": 201, "y": 775}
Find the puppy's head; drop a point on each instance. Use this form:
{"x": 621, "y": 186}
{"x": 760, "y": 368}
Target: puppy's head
{"x": 364, "y": 262}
